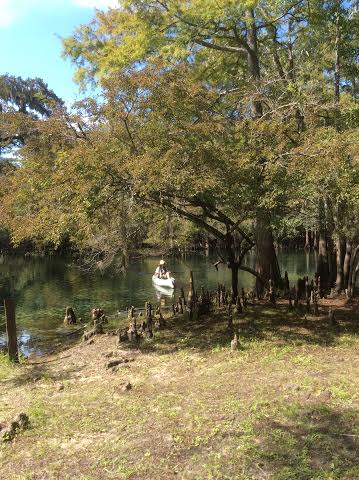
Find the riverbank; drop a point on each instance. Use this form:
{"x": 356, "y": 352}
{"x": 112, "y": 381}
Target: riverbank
{"x": 284, "y": 406}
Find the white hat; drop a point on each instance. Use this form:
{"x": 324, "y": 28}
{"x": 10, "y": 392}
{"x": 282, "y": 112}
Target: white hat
{"x": 162, "y": 262}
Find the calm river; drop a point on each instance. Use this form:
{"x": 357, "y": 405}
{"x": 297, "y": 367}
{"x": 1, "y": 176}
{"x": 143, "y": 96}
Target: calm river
{"x": 43, "y": 287}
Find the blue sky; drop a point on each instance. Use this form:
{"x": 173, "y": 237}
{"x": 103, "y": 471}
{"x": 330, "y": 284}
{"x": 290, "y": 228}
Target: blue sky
{"x": 30, "y": 46}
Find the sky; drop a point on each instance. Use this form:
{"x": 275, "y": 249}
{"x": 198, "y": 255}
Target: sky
{"x": 29, "y": 39}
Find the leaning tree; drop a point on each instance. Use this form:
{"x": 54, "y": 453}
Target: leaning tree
{"x": 159, "y": 139}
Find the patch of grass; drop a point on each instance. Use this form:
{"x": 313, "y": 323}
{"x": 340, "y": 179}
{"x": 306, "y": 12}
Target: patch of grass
{"x": 303, "y": 359}
{"x": 347, "y": 340}
{"x": 195, "y": 411}
{"x": 342, "y": 392}
{"x": 125, "y": 470}
{"x": 218, "y": 348}
{"x": 6, "y": 367}
{"x": 277, "y": 353}
{"x": 296, "y": 443}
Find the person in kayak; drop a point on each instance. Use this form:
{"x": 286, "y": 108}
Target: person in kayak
{"x": 161, "y": 270}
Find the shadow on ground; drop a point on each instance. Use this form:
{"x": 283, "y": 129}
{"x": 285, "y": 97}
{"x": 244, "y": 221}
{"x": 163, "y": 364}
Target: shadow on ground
{"x": 258, "y": 323}
{"x": 36, "y": 372}
{"x": 307, "y": 443}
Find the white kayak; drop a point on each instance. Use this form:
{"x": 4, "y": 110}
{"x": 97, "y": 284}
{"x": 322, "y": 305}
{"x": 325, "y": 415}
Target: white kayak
{"x": 163, "y": 291}
{"x": 164, "y": 282}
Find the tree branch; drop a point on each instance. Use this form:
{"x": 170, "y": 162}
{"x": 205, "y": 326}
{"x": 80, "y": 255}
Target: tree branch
{"x": 189, "y": 215}
{"x": 253, "y": 272}
{"x": 275, "y": 20}
{"x": 221, "y": 48}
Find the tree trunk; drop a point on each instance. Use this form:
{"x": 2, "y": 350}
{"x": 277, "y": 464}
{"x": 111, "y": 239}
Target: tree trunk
{"x": 323, "y": 267}
{"x": 266, "y": 262}
{"x": 233, "y": 264}
{"x": 234, "y": 273}
{"x": 353, "y": 272}
{"x": 330, "y": 243}
{"x": 346, "y": 265}
{"x": 307, "y": 240}
{"x": 354, "y": 279}
{"x": 315, "y": 240}
{"x": 337, "y": 68}
{"x": 206, "y": 244}
{"x": 191, "y": 299}
{"x": 252, "y": 58}
{"x": 170, "y": 232}
{"x": 340, "y": 254}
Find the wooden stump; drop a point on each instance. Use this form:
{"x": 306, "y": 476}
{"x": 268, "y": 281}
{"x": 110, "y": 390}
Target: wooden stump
{"x": 191, "y": 299}
{"x": 184, "y": 303}
{"x": 308, "y": 305}
{"x": 149, "y": 320}
{"x": 244, "y": 298}
{"x": 286, "y": 283}
{"x": 131, "y": 313}
{"x": 230, "y": 317}
{"x": 239, "y": 308}
{"x": 96, "y": 330}
{"x": 234, "y": 344}
{"x": 316, "y": 308}
{"x": 306, "y": 287}
{"x": 70, "y": 317}
{"x": 10, "y": 321}
{"x": 290, "y": 303}
{"x": 160, "y": 321}
{"x": 180, "y": 305}
{"x": 271, "y": 292}
{"x": 97, "y": 313}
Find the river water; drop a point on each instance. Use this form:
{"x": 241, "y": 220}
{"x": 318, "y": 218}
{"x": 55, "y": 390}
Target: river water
{"x": 43, "y": 287}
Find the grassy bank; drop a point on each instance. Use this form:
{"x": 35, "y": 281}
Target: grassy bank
{"x": 285, "y": 406}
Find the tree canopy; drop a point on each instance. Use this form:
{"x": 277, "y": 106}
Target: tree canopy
{"x": 240, "y": 117}
{"x": 20, "y": 98}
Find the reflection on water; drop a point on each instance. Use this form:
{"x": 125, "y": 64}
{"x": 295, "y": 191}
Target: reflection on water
{"x": 43, "y": 287}
{"x": 163, "y": 292}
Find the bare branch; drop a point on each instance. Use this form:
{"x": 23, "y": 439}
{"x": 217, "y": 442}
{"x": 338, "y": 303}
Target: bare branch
{"x": 189, "y": 215}
{"x": 275, "y": 20}
{"x": 253, "y": 272}
{"x": 221, "y": 48}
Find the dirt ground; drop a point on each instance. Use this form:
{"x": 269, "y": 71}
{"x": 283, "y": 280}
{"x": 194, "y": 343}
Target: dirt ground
{"x": 182, "y": 406}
